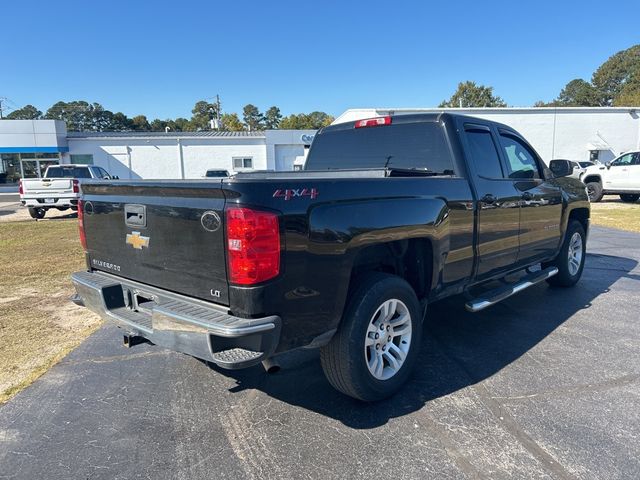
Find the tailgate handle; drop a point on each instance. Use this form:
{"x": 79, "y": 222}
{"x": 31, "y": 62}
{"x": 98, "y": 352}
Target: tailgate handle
{"x": 135, "y": 215}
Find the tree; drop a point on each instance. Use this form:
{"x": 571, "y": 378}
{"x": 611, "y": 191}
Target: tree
{"x": 302, "y": 121}
{"x": 231, "y": 123}
{"x": 317, "y": 120}
{"x": 253, "y": 119}
{"x": 612, "y": 76}
{"x": 578, "y": 93}
{"x": 120, "y": 122}
{"x": 140, "y": 122}
{"x": 630, "y": 94}
{"x": 468, "y": 94}
{"x": 272, "y": 118}
{"x": 28, "y": 112}
{"x": 203, "y": 112}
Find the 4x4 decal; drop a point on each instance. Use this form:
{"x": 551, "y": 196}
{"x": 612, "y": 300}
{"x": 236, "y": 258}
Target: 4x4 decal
{"x": 290, "y": 193}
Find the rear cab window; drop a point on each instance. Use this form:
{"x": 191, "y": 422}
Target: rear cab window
{"x": 484, "y": 153}
{"x": 68, "y": 172}
{"x": 408, "y": 145}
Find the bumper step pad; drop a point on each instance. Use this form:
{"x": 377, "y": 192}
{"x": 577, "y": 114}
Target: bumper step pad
{"x": 235, "y": 357}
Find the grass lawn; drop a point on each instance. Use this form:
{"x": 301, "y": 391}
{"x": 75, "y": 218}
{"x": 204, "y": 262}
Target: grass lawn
{"x": 38, "y": 323}
{"x": 612, "y": 212}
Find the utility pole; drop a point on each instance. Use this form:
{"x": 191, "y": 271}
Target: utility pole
{"x": 1, "y": 99}
{"x": 218, "y": 111}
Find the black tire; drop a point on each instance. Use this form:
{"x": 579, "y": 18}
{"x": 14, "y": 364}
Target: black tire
{"x": 564, "y": 277}
{"x": 594, "y": 190}
{"x": 344, "y": 359}
{"x": 37, "y": 212}
{"x": 629, "y": 197}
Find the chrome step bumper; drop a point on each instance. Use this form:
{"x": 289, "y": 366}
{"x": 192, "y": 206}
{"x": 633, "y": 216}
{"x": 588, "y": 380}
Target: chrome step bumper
{"x": 187, "y": 325}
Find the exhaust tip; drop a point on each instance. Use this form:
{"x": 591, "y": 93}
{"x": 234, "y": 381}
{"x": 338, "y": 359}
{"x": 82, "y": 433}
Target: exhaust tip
{"x": 271, "y": 366}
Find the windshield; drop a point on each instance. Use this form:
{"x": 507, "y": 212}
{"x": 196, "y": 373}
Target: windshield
{"x": 217, "y": 173}
{"x": 68, "y": 172}
{"x": 420, "y": 145}
{"x": 585, "y": 164}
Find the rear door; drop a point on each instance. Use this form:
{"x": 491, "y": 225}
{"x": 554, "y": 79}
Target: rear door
{"x": 498, "y": 203}
{"x": 164, "y": 234}
{"x": 540, "y": 198}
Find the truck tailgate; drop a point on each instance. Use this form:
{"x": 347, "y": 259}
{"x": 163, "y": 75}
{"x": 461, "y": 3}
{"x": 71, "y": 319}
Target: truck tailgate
{"x": 167, "y": 235}
{"x": 47, "y": 186}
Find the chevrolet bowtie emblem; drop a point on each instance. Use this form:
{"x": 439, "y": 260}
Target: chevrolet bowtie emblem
{"x": 137, "y": 241}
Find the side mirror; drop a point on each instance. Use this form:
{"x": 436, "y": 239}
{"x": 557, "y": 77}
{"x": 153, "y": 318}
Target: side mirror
{"x": 608, "y": 165}
{"x": 561, "y": 168}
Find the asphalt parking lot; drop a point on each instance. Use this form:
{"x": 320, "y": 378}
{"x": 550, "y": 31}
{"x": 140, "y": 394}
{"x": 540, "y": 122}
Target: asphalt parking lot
{"x": 544, "y": 385}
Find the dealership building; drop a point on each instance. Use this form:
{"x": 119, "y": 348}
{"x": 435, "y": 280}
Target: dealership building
{"x": 27, "y": 147}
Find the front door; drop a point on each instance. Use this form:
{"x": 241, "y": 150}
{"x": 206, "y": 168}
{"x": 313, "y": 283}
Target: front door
{"x": 540, "y": 199}
{"x": 616, "y": 177}
{"x": 498, "y": 204}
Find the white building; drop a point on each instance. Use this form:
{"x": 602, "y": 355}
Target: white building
{"x": 27, "y": 147}
{"x": 177, "y": 155}
{"x": 580, "y": 133}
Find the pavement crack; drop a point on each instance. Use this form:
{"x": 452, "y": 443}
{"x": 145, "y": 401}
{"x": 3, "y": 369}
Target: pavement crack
{"x": 572, "y": 389}
{"x": 115, "y": 358}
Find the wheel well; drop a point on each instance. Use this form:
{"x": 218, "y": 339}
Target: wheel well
{"x": 411, "y": 259}
{"x": 582, "y": 215}
{"x": 592, "y": 178}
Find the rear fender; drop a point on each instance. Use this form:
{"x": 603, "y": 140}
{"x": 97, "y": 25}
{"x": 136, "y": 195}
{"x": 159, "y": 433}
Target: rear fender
{"x": 342, "y": 230}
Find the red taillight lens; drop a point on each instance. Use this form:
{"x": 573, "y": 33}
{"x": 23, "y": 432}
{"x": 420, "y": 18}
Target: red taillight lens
{"x": 20, "y": 189}
{"x": 76, "y": 187}
{"x": 373, "y": 122}
{"x": 253, "y": 245}
{"x": 83, "y": 238}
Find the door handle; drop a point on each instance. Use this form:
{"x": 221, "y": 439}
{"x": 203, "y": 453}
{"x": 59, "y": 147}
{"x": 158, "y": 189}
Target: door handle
{"x": 488, "y": 199}
{"x": 527, "y": 196}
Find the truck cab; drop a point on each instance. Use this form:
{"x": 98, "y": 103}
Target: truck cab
{"x": 621, "y": 176}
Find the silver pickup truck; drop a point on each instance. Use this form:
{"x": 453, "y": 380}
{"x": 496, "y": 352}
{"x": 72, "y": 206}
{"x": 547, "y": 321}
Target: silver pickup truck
{"x": 59, "y": 188}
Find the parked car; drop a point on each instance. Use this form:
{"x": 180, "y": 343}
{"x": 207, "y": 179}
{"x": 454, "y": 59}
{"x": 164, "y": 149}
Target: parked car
{"x": 59, "y": 188}
{"x": 620, "y": 176}
{"x": 579, "y": 167}
{"x": 389, "y": 215}
{"x": 217, "y": 173}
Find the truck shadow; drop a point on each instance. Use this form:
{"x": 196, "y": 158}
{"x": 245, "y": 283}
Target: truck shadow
{"x": 459, "y": 349}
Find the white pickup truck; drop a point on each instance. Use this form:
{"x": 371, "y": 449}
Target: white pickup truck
{"x": 59, "y": 188}
{"x": 621, "y": 176}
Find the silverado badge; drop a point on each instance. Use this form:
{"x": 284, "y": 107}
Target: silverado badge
{"x": 137, "y": 241}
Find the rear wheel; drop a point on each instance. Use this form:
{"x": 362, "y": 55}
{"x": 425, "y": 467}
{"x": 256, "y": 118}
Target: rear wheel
{"x": 37, "y": 212}
{"x": 594, "y": 190}
{"x": 372, "y": 354}
{"x": 570, "y": 260}
{"x": 629, "y": 197}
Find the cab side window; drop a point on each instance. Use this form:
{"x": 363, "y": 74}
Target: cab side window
{"x": 624, "y": 160}
{"x": 521, "y": 161}
{"x": 483, "y": 153}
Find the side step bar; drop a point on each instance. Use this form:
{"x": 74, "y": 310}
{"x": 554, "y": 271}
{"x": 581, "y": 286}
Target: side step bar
{"x": 497, "y": 295}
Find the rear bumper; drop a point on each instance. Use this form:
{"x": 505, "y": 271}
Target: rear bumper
{"x": 180, "y": 323}
{"x": 58, "y": 202}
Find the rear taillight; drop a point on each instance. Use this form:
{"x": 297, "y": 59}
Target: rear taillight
{"x": 76, "y": 186}
{"x": 20, "y": 188}
{"x": 253, "y": 244}
{"x": 83, "y": 238}
{"x": 373, "y": 122}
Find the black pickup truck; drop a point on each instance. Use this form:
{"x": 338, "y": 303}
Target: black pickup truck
{"x": 389, "y": 215}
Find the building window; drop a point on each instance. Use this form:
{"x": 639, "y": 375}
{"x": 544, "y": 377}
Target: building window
{"x": 82, "y": 159}
{"x": 240, "y": 163}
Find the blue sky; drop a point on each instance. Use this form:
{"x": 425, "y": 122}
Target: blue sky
{"x": 159, "y": 58}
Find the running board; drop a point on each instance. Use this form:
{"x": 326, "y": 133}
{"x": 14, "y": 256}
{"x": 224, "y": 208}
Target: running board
{"x": 497, "y": 295}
